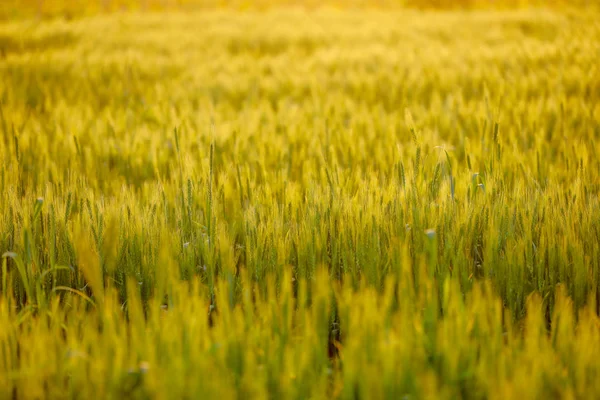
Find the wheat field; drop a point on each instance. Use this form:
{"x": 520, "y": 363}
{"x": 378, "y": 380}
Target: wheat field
{"x": 351, "y": 203}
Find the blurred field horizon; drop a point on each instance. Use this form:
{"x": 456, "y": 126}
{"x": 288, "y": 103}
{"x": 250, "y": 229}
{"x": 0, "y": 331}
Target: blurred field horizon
{"x": 299, "y": 200}
{"x": 10, "y": 9}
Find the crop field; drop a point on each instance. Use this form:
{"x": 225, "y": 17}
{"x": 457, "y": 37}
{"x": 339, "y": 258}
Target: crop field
{"x": 296, "y": 203}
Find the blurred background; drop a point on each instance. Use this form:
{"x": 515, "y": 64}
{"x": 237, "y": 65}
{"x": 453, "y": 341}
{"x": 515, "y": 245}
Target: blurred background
{"x": 10, "y": 9}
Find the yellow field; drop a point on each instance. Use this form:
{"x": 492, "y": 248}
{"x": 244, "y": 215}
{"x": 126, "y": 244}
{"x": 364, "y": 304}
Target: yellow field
{"x": 76, "y": 8}
{"x": 349, "y": 204}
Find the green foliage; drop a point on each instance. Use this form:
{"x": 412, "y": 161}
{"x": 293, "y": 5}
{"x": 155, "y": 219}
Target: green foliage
{"x": 300, "y": 205}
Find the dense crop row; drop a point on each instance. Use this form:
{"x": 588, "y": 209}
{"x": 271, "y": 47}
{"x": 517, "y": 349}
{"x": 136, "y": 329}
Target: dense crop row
{"x": 294, "y": 204}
